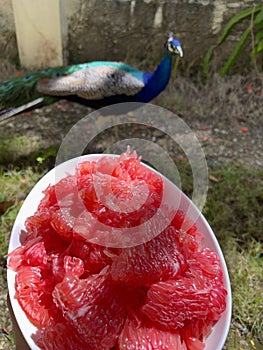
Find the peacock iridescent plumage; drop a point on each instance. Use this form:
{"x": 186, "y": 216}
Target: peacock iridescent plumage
{"x": 95, "y": 84}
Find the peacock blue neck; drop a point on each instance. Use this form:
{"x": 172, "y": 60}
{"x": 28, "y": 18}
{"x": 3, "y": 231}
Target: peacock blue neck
{"x": 156, "y": 82}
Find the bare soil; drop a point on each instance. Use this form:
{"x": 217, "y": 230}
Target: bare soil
{"x": 226, "y": 115}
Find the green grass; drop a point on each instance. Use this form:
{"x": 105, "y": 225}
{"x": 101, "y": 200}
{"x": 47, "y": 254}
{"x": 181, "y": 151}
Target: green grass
{"x": 14, "y": 147}
{"x": 246, "y": 275}
{"x": 235, "y": 211}
{"x": 235, "y": 203}
{"x": 14, "y": 187}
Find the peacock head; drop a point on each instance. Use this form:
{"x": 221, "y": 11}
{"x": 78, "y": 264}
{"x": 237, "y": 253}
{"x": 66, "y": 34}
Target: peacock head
{"x": 174, "y": 46}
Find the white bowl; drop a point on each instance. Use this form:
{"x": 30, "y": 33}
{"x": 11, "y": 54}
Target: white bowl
{"x": 216, "y": 339}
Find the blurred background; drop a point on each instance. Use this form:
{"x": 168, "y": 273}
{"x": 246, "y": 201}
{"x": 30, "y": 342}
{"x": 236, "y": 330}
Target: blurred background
{"x": 38, "y": 34}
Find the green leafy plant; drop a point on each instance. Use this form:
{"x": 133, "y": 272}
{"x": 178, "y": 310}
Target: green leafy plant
{"x": 254, "y": 31}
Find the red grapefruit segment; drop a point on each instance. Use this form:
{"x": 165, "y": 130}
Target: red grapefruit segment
{"x": 158, "y": 259}
{"x": 137, "y": 336}
{"x": 92, "y": 308}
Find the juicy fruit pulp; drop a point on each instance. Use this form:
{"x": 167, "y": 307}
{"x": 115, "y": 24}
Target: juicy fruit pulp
{"x": 166, "y": 293}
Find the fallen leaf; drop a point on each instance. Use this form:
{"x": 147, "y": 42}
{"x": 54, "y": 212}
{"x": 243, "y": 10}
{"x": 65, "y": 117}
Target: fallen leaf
{"x": 5, "y": 330}
{"x": 213, "y": 178}
{"x": 249, "y": 88}
{"x": 244, "y": 129}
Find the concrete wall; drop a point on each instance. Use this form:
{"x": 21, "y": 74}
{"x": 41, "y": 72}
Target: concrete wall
{"x": 40, "y": 26}
{"x": 132, "y": 30}
{"x": 8, "y": 47}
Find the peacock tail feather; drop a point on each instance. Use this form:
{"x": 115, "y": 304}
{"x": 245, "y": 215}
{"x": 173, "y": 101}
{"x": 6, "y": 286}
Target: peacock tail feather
{"x": 22, "y": 90}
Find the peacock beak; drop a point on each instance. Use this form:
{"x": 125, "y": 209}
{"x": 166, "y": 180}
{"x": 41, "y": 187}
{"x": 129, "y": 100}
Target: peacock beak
{"x": 180, "y": 50}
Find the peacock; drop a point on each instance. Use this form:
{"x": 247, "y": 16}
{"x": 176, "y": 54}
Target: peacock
{"x": 95, "y": 84}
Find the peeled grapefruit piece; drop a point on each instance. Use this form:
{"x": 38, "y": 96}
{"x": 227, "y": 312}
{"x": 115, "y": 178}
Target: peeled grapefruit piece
{"x": 95, "y": 257}
{"x": 91, "y": 306}
{"x": 198, "y": 293}
{"x": 158, "y": 259}
{"x": 119, "y": 192}
{"x": 60, "y": 336}
{"x": 34, "y": 294}
{"x": 138, "y": 336}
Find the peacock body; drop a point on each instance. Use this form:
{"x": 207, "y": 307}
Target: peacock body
{"x": 95, "y": 84}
